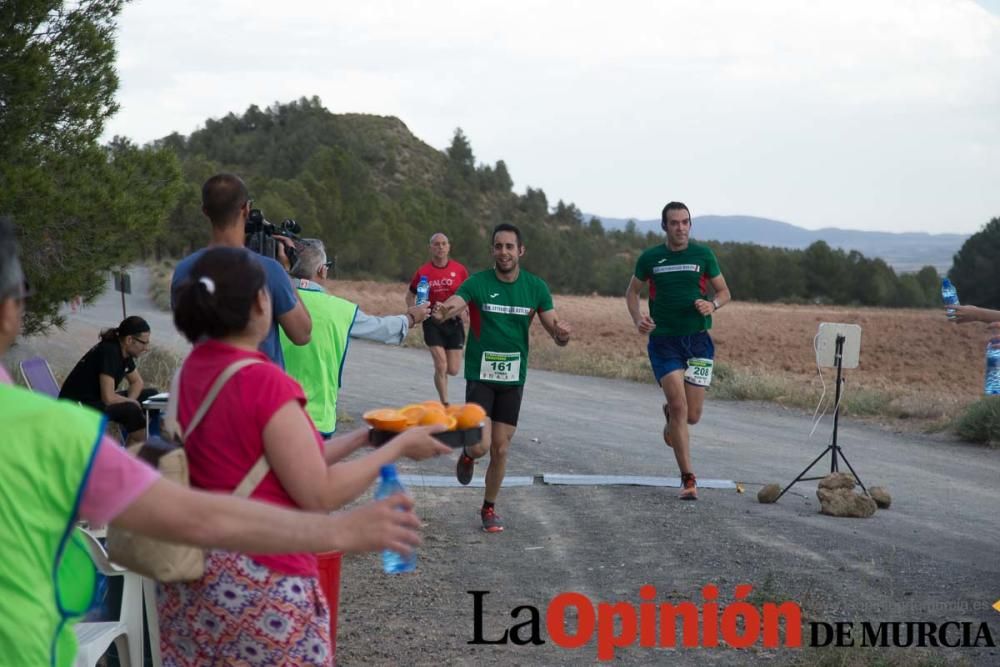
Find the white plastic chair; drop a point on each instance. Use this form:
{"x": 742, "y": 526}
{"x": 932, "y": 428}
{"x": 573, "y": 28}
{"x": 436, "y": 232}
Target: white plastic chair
{"x": 125, "y": 633}
{"x": 152, "y": 619}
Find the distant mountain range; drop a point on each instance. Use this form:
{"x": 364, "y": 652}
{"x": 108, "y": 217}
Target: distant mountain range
{"x": 904, "y": 252}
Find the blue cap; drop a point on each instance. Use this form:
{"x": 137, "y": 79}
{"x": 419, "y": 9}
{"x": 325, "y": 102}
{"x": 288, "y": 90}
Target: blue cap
{"x": 388, "y": 471}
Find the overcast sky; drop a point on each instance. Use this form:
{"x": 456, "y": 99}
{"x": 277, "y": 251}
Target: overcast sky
{"x": 863, "y": 114}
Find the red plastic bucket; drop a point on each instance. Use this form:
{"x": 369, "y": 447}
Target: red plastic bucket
{"x": 329, "y": 581}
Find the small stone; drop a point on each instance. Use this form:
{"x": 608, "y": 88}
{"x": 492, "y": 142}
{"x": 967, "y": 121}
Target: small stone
{"x": 881, "y": 497}
{"x": 769, "y": 494}
{"x": 838, "y": 480}
{"x": 845, "y": 503}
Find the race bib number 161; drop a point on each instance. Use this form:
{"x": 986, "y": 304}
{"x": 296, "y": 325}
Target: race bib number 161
{"x": 500, "y": 367}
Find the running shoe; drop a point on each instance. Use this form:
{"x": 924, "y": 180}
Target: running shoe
{"x": 666, "y": 427}
{"x": 689, "y": 487}
{"x": 463, "y": 469}
{"x": 492, "y": 523}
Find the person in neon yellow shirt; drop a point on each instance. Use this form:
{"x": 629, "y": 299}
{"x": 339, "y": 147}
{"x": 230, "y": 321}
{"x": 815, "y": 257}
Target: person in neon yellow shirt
{"x": 56, "y": 467}
{"x": 319, "y": 364}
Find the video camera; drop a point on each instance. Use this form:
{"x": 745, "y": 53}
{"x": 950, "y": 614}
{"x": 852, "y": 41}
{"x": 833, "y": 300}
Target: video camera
{"x": 260, "y": 235}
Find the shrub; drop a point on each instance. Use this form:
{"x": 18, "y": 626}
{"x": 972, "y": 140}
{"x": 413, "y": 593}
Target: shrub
{"x": 160, "y": 276}
{"x": 158, "y": 366}
{"x": 753, "y": 385}
{"x": 981, "y": 422}
{"x": 866, "y": 403}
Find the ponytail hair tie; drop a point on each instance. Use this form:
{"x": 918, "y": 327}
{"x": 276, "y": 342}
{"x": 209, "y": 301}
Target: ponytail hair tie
{"x": 208, "y": 283}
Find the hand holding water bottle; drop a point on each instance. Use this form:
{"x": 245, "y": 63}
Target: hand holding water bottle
{"x": 965, "y": 314}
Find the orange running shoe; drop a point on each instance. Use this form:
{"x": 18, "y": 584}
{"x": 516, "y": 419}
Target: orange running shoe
{"x": 492, "y": 523}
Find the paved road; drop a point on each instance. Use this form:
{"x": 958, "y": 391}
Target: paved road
{"x": 931, "y": 557}
{"x": 946, "y": 495}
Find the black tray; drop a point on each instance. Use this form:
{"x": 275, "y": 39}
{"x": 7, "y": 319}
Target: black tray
{"x": 454, "y": 439}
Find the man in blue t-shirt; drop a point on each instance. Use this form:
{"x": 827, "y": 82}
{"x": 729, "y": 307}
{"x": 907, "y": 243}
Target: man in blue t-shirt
{"x": 226, "y": 203}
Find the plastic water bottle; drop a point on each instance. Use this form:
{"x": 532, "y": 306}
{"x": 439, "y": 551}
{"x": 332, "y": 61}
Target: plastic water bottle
{"x": 423, "y": 291}
{"x": 992, "y": 387}
{"x": 950, "y": 297}
{"x": 393, "y": 562}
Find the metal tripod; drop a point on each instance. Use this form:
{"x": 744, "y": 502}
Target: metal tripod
{"x": 836, "y": 452}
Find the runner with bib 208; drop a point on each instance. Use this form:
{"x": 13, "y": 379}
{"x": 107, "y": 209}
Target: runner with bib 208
{"x": 681, "y": 352}
{"x": 502, "y": 302}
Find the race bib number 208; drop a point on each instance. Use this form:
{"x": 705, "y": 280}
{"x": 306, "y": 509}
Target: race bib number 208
{"x": 500, "y": 367}
{"x": 699, "y": 372}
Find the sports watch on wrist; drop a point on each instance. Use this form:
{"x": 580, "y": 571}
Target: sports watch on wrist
{"x": 715, "y": 304}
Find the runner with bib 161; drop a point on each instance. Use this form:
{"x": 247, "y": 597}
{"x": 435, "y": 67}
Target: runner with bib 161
{"x": 502, "y": 303}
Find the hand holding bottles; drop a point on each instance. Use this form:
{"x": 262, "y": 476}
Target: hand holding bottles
{"x": 387, "y": 524}
{"x": 964, "y": 314}
{"x": 420, "y": 312}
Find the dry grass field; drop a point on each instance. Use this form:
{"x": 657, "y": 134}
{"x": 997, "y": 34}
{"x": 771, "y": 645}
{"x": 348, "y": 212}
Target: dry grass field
{"x": 914, "y": 363}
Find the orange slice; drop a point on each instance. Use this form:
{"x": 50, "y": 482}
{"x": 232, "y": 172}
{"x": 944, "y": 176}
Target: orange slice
{"x": 386, "y": 419}
{"x": 435, "y": 417}
{"x": 413, "y": 413}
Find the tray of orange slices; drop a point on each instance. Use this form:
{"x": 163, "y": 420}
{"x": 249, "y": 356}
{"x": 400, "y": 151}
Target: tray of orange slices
{"x": 464, "y": 422}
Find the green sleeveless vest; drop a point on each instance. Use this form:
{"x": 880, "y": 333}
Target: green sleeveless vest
{"x": 46, "y": 578}
{"x": 319, "y": 365}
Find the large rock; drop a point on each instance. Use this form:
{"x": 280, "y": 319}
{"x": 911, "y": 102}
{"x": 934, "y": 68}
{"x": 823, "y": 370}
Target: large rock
{"x": 838, "y": 480}
{"x": 845, "y": 502}
{"x": 769, "y": 493}
{"x": 881, "y": 497}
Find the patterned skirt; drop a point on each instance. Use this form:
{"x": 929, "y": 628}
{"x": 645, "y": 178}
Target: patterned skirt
{"x": 242, "y": 613}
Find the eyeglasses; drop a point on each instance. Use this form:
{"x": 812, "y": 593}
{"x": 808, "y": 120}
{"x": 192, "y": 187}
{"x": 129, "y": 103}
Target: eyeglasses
{"x": 139, "y": 340}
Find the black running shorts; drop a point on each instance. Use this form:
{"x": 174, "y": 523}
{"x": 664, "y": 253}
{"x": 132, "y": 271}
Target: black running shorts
{"x": 449, "y": 334}
{"x": 502, "y": 402}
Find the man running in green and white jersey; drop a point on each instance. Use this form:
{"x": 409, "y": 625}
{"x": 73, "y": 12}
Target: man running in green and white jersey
{"x": 502, "y": 303}
{"x": 680, "y": 349}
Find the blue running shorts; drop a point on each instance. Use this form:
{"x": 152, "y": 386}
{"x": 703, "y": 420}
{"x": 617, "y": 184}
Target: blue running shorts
{"x": 672, "y": 353}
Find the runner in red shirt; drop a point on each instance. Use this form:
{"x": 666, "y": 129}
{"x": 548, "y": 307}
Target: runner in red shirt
{"x": 444, "y": 339}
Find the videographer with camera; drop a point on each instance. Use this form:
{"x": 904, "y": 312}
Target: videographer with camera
{"x": 318, "y": 366}
{"x": 226, "y": 202}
